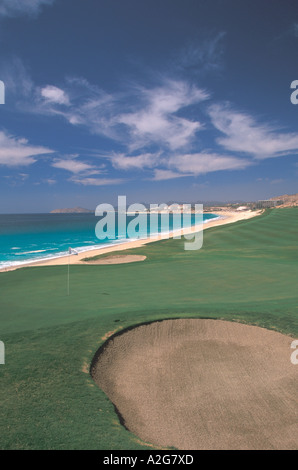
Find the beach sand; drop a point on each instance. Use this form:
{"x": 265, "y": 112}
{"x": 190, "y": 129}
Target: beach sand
{"x": 226, "y": 217}
{"x": 117, "y": 259}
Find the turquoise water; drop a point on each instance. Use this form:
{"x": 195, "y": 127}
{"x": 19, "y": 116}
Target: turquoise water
{"x": 33, "y": 237}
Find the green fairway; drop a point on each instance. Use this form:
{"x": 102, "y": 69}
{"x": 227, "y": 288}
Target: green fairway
{"x": 247, "y": 272}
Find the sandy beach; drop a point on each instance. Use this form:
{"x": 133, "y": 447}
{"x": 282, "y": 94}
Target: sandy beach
{"x": 226, "y": 217}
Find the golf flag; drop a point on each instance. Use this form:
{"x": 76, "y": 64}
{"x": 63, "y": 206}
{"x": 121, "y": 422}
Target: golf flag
{"x": 71, "y": 251}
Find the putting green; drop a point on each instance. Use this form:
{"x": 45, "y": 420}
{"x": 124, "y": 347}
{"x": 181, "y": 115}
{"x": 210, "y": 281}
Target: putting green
{"x": 245, "y": 272}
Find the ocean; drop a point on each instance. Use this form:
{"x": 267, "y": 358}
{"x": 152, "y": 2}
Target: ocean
{"x": 35, "y": 237}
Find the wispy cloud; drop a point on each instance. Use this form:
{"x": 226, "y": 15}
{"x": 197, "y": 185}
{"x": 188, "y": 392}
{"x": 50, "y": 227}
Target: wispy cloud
{"x": 49, "y": 181}
{"x": 162, "y": 175}
{"x": 123, "y": 162}
{"x": 203, "y": 55}
{"x": 18, "y": 83}
{"x": 178, "y": 165}
{"x": 22, "y": 7}
{"x": 16, "y": 179}
{"x": 136, "y": 118}
{"x": 18, "y": 152}
{"x": 23, "y": 176}
{"x": 154, "y": 119}
{"x": 244, "y": 134}
{"x": 202, "y": 163}
{"x": 79, "y": 103}
{"x": 53, "y": 94}
{"x": 74, "y": 166}
{"x": 150, "y": 129}
{"x": 96, "y": 181}
{"x": 83, "y": 173}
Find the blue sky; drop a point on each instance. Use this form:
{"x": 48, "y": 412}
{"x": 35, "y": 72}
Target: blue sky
{"x": 172, "y": 100}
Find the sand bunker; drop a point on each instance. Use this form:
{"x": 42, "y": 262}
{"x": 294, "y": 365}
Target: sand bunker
{"x": 202, "y": 384}
{"x": 118, "y": 259}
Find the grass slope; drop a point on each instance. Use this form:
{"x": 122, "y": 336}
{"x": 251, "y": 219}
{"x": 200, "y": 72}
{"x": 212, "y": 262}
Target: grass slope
{"x": 246, "y": 272}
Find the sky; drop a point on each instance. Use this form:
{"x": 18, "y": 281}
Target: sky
{"x": 158, "y": 100}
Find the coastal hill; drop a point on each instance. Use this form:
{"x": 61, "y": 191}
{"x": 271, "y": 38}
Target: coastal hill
{"x": 287, "y": 200}
{"x": 75, "y": 210}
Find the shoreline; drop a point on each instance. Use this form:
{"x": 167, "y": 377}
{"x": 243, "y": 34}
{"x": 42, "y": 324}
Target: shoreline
{"x": 223, "y": 218}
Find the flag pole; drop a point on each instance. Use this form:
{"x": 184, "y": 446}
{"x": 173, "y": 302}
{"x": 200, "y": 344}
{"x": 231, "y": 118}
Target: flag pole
{"x": 68, "y": 272}
{"x": 70, "y": 252}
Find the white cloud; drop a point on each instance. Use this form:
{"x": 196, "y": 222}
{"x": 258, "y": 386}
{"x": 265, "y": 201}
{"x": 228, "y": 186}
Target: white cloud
{"x": 49, "y": 181}
{"x": 87, "y": 105}
{"x": 18, "y": 152}
{"x": 137, "y": 117}
{"x": 19, "y": 7}
{"x": 244, "y": 134}
{"x": 202, "y": 163}
{"x": 23, "y": 176}
{"x": 123, "y": 162}
{"x": 96, "y": 181}
{"x": 82, "y": 172}
{"x": 74, "y": 166}
{"x": 153, "y": 127}
{"x": 175, "y": 166}
{"x": 161, "y": 175}
{"x": 52, "y": 94}
{"x": 155, "y": 120}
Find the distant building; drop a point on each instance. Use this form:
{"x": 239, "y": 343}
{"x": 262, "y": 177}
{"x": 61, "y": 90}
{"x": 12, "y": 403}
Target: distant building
{"x": 266, "y": 203}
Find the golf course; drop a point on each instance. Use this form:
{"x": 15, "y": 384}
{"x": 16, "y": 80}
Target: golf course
{"x": 246, "y": 272}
